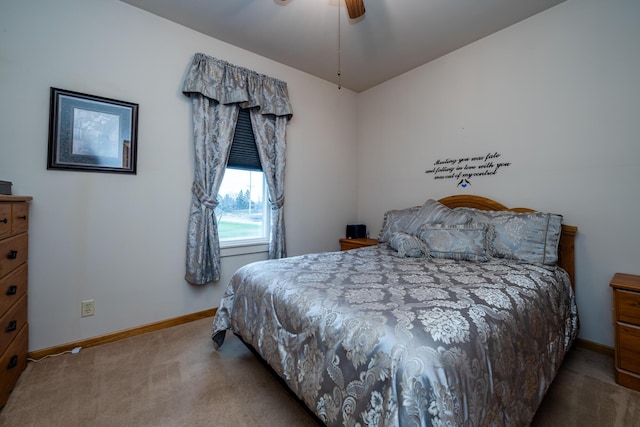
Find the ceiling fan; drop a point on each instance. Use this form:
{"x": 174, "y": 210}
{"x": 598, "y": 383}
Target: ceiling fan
{"x": 355, "y": 8}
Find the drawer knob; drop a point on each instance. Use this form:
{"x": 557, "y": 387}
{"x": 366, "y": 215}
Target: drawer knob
{"x": 22, "y": 217}
{"x": 5, "y": 220}
{"x": 13, "y": 362}
{"x": 12, "y": 290}
{"x": 13, "y": 325}
{"x": 12, "y": 255}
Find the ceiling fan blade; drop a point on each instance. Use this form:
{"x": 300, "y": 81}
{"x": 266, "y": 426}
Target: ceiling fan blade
{"x": 355, "y": 8}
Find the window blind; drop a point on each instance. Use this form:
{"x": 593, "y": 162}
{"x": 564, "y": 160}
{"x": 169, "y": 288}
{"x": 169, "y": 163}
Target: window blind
{"x": 244, "y": 152}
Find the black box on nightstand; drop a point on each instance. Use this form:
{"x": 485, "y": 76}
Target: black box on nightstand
{"x": 5, "y": 187}
{"x": 356, "y": 231}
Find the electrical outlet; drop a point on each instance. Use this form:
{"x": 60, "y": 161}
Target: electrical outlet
{"x": 88, "y": 308}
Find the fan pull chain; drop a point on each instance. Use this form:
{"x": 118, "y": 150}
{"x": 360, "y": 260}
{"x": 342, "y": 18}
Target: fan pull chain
{"x": 339, "y": 51}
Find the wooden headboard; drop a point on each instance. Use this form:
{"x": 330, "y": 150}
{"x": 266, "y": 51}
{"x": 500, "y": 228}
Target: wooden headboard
{"x": 566, "y": 251}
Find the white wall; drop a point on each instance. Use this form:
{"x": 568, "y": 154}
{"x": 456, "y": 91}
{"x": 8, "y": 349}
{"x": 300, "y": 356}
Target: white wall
{"x": 120, "y": 239}
{"x": 558, "y": 95}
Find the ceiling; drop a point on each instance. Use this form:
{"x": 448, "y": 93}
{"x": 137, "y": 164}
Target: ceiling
{"x": 394, "y": 36}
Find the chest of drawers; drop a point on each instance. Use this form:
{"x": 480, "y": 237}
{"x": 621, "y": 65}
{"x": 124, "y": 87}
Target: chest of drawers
{"x": 626, "y": 311}
{"x": 14, "y": 329}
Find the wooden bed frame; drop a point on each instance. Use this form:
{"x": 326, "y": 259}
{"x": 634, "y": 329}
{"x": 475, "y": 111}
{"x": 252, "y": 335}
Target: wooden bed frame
{"x": 566, "y": 251}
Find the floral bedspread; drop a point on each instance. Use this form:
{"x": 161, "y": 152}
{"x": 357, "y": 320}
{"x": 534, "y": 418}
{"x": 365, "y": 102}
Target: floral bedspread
{"x": 365, "y": 338}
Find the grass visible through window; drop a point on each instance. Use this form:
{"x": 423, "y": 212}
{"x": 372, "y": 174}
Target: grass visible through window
{"x": 232, "y": 230}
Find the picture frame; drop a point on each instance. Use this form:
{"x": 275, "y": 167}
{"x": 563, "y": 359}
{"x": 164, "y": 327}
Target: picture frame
{"x": 92, "y": 133}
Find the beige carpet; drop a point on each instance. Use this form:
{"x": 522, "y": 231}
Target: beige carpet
{"x": 174, "y": 378}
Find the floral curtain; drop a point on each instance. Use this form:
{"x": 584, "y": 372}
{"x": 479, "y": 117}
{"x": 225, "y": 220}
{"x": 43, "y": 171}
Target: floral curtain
{"x": 218, "y": 90}
{"x": 269, "y": 132}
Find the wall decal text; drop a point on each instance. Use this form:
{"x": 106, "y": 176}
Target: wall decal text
{"x": 462, "y": 169}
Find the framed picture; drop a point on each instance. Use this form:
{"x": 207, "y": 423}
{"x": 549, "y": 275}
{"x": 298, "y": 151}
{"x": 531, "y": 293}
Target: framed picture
{"x": 92, "y": 133}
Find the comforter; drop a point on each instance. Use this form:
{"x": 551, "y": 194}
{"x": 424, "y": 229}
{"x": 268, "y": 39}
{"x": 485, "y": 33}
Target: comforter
{"x": 365, "y": 338}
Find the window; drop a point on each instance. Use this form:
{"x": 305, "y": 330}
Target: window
{"x": 243, "y": 210}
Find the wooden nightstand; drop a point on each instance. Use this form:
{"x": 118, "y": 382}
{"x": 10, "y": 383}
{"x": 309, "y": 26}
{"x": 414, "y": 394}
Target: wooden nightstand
{"x": 346, "y": 244}
{"x": 626, "y": 312}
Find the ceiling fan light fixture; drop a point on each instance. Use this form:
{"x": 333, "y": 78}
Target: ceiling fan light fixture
{"x": 355, "y": 8}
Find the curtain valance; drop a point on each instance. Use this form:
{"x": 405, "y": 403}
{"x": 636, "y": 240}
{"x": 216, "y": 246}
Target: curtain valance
{"x": 229, "y": 84}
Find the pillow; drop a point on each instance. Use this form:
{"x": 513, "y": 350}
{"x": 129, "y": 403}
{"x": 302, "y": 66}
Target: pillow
{"x": 396, "y": 220}
{"x": 408, "y": 245}
{"x": 459, "y": 242}
{"x": 434, "y": 212}
{"x": 530, "y": 237}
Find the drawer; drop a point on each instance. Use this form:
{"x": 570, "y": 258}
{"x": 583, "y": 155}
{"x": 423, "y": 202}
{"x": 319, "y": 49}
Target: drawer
{"x": 628, "y": 350}
{"x": 12, "y": 322}
{"x": 12, "y": 287}
{"x": 12, "y": 362}
{"x": 346, "y": 246}
{"x": 13, "y": 253}
{"x": 628, "y": 306}
{"x": 19, "y": 218}
{"x": 5, "y": 220}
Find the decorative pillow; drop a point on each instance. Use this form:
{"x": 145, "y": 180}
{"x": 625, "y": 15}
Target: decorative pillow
{"x": 530, "y": 237}
{"x": 459, "y": 242}
{"x": 408, "y": 245}
{"x": 434, "y": 212}
{"x": 396, "y": 220}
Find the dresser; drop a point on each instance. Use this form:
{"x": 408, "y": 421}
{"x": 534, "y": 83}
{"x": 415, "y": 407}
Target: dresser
{"x": 14, "y": 330}
{"x": 346, "y": 244}
{"x": 626, "y": 312}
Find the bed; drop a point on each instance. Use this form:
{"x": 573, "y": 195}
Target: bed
{"x": 460, "y": 316}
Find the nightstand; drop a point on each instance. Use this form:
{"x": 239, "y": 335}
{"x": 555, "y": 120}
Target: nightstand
{"x": 346, "y": 244}
{"x": 626, "y": 313}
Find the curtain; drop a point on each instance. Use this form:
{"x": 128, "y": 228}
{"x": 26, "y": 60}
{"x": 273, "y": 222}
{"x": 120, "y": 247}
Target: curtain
{"x": 218, "y": 90}
{"x": 269, "y": 132}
